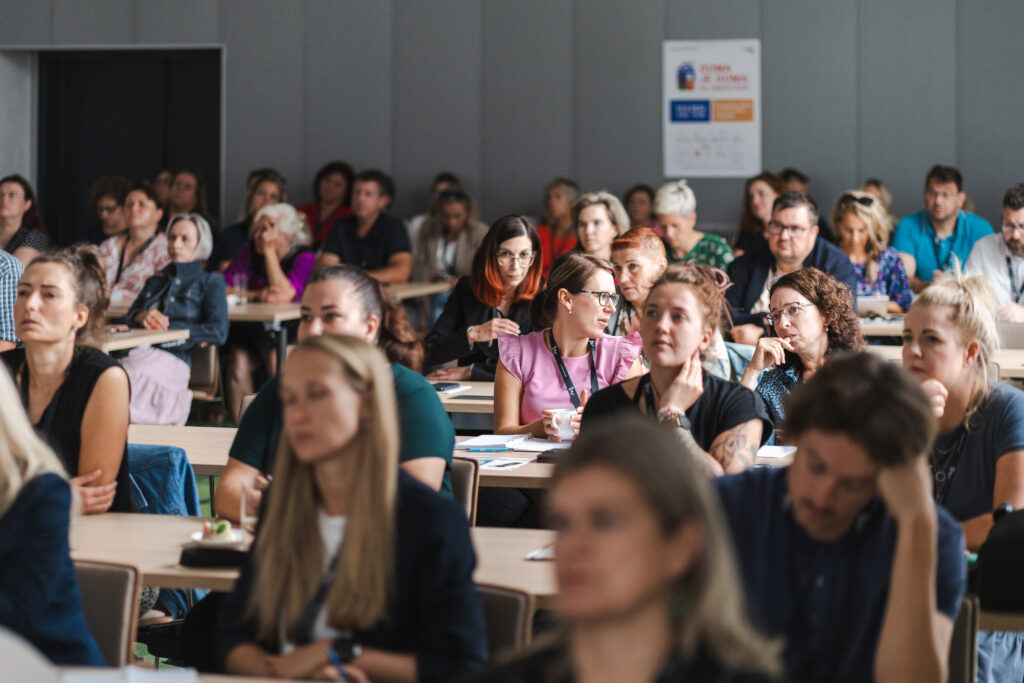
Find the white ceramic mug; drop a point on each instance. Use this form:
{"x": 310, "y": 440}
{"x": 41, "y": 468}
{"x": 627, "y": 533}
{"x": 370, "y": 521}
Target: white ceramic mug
{"x": 561, "y": 420}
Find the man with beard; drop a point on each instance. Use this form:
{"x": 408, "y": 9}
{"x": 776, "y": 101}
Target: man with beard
{"x": 1001, "y": 258}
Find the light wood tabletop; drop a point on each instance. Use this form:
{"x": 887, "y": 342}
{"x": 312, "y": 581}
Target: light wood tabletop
{"x": 1010, "y": 361}
{"x": 206, "y": 447}
{"x": 255, "y": 312}
{"x": 153, "y": 544}
{"x": 135, "y": 337}
{"x": 415, "y": 290}
{"x": 879, "y": 327}
{"x": 479, "y": 398}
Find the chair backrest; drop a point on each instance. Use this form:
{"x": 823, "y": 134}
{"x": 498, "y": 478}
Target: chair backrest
{"x": 23, "y": 662}
{"x": 963, "y": 650}
{"x": 508, "y": 614}
{"x": 465, "y": 484}
{"x": 110, "y": 601}
{"x": 204, "y": 377}
{"x": 246, "y": 402}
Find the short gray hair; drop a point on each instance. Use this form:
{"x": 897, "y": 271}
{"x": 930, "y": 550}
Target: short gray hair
{"x": 675, "y": 199}
{"x": 205, "y": 233}
{"x": 289, "y": 222}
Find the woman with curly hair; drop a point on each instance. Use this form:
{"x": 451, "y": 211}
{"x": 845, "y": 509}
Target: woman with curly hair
{"x": 812, "y": 314}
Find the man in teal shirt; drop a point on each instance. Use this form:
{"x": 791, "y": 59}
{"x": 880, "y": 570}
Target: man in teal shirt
{"x": 941, "y": 237}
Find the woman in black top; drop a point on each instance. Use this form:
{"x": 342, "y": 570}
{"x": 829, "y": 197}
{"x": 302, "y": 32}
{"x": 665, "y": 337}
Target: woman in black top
{"x": 720, "y": 423}
{"x": 75, "y": 395}
{"x": 648, "y": 589}
{"x": 22, "y": 231}
{"x": 494, "y": 299}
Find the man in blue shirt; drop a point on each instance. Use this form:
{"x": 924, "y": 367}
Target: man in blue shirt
{"x": 930, "y": 242}
{"x": 844, "y": 553}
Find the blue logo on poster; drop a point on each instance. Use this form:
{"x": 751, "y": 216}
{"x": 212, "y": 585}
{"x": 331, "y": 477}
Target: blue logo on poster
{"x": 689, "y": 111}
{"x": 686, "y": 77}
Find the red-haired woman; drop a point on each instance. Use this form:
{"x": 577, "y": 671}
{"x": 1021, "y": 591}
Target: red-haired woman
{"x": 494, "y": 299}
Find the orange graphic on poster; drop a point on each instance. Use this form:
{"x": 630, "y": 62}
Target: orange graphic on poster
{"x": 727, "y": 111}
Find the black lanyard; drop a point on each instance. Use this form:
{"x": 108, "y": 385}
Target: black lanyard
{"x": 120, "y": 261}
{"x": 943, "y": 471}
{"x": 648, "y": 388}
{"x": 1015, "y": 294}
{"x": 304, "y": 633}
{"x": 935, "y": 245}
{"x": 566, "y": 380}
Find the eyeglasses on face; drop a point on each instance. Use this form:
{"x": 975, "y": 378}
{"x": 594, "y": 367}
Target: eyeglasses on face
{"x": 777, "y": 228}
{"x": 789, "y": 311}
{"x": 505, "y": 258}
{"x": 1013, "y": 229}
{"x": 603, "y": 298}
{"x": 847, "y": 198}
{"x": 11, "y": 195}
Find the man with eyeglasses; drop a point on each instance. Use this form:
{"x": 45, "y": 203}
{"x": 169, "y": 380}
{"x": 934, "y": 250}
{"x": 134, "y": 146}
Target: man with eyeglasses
{"x": 1001, "y": 258}
{"x": 791, "y": 243}
{"x": 940, "y": 238}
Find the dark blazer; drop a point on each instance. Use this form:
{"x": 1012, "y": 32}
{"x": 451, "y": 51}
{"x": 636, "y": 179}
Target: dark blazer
{"x": 750, "y": 271}
{"x": 39, "y": 597}
{"x": 435, "y": 614}
{"x": 447, "y": 340}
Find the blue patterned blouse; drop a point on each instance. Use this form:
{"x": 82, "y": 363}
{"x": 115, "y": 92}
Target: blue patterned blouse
{"x": 774, "y": 386}
{"x": 891, "y": 280}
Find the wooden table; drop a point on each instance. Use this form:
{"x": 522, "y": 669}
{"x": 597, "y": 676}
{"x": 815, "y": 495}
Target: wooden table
{"x": 415, "y": 290}
{"x": 478, "y": 399}
{"x": 1010, "y": 361}
{"x": 271, "y": 316}
{"x": 877, "y": 327}
{"x": 206, "y": 447}
{"x": 121, "y": 341}
{"x": 153, "y": 544}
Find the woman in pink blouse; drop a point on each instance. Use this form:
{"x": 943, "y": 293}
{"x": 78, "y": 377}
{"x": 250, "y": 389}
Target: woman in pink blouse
{"x": 131, "y": 257}
{"x": 570, "y": 357}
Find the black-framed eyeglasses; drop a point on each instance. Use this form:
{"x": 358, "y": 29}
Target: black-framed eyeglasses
{"x": 790, "y": 311}
{"x": 847, "y": 198}
{"x": 603, "y": 298}
{"x": 777, "y": 228}
{"x": 1013, "y": 229}
{"x": 505, "y": 258}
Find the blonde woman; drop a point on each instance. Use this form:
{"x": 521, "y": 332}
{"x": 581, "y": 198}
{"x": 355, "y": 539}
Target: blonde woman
{"x": 598, "y": 218}
{"x": 860, "y": 225}
{"x": 39, "y": 597}
{"x": 357, "y": 571}
{"x": 648, "y": 588}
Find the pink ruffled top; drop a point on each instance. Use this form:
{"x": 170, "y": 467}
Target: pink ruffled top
{"x": 530, "y": 361}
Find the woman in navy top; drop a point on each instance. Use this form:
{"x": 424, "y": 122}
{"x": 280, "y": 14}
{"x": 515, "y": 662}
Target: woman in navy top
{"x": 39, "y": 598}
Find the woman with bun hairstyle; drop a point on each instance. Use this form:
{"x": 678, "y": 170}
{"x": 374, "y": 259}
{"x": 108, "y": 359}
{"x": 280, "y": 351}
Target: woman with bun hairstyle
{"x": 75, "y": 395}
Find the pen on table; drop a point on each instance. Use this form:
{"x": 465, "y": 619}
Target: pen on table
{"x": 487, "y": 450}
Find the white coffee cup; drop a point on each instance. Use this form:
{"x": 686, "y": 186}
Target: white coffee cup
{"x": 561, "y": 420}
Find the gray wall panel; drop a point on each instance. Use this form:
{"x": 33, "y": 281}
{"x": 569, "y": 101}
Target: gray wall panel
{"x": 18, "y": 112}
{"x": 348, "y": 108}
{"x": 906, "y": 93}
{"x": 526, "y": 107}
{"x": 437, "y": 97}
{"x": 617, "y": 85}
{"x": 26, "y": 23}
{"x": 163, "y": 22}
{"x": 97, "y": 22}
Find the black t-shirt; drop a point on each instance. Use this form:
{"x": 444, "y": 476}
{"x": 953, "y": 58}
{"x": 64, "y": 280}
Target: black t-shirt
{"x": 722, "y": 406}
{"x": 388, "y": 236}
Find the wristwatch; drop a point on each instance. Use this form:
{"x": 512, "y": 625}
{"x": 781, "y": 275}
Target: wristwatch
{"x": 345, "y": 649}
{"x": 673, "y": 417}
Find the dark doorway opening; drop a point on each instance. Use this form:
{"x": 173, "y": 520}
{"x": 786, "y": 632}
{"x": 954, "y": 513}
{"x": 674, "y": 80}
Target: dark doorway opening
{"x": 123, "y": 112}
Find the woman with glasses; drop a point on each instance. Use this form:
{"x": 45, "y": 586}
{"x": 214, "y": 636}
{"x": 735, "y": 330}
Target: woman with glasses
{"x": 493, "y": 299}
{"x": 568, "y": 358}
{"x": 861, "y": 226}
{"x": 598, "y": 218}
{"x": 812, "y": 315}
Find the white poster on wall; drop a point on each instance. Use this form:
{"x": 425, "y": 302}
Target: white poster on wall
{"x": 712, "y": 108}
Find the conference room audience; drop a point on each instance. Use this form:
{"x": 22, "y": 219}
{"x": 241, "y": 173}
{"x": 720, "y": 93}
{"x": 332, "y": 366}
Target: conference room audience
{"x": 759, "y": 195}
{"x": 370, "y": 238}
{"x": 639, "y": 203}
{"x": 861, "y": 226}
{"x": 880, "y": 191}
{"x": 106, "y": 198}
{"x": 266, "y": 189}
{"x": 332, "y": 197}
{"x": 357, "y": 570}
{"x": 188, "y": 195}
{"x": 1000, "y": 258}
{"x": 22, "y": 230}
{"x": 720, "y": 424}
{"x": 638, "y": 256}
{"x": 75, "y": 395}
{"x": 181, "y": 296}
{"x": 676, "y": 208}
{"x": 276, "y": 263}
{"x": 813, "y": 318}
{"x": 130, "y": 258}
{"x": 599, "y": 218}
{"x": 567, "y": 358}
{"x": 949, "y": 339}
{"x": 557, "y": 232}
{"x": 647, "y": 583}
{"x": 448, "y": 241}
{"x": 938, "y": 240}
{"x": 343, "y": 300}
{"x": 39, "y": 596}
{"x": 843, "y": 553}
{"x": 442, "y": 181}
{"x": 10, "y": 273}
{"x": 791, "y": 243}
{"x": 493, "y": 299}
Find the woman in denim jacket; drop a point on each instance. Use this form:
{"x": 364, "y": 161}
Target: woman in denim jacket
{"x": 180, "y": 296}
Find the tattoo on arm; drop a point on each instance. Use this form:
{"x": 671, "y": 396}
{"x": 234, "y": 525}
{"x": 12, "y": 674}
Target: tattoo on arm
{"x": 736, "y": 447}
